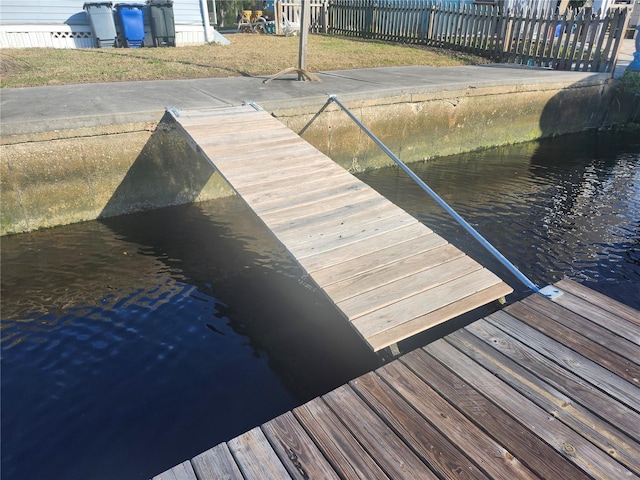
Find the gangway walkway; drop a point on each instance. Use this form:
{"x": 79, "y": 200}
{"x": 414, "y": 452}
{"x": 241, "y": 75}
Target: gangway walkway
{"x": 390, "y": 275}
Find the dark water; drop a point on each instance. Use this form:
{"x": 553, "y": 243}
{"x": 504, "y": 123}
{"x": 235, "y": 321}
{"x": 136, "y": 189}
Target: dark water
{"x": 134, "y": 343}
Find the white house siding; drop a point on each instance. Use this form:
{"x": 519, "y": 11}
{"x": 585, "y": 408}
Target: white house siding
{"x": 64, "y": 23}
{"x": 25, "y": 12}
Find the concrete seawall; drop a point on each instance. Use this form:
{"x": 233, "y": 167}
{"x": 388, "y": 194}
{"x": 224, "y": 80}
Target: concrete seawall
{"x": 65, "y": 170}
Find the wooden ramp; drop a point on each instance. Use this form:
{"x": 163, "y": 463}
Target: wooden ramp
{"x": 390, "y": 275}
{"x": 543, "y": 389}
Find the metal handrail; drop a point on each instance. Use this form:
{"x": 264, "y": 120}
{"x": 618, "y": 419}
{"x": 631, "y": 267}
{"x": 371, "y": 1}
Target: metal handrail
{"x": 474, "y": 233}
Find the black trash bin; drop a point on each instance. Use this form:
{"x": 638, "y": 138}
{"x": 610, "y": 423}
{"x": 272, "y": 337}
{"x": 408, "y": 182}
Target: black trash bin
{"x": 163, "y": 29}
{"x": 131, "y": 23}
{"x": 102, "y": 24}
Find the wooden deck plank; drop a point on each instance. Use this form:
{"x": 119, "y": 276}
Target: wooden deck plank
{"x": 255, "y": 457}
{"x": 470, "y": 439}
{"x": 182, "y": 471}
{"x": 291, "y": 185}
{"x": 431, "y": 319}
{"x": 227, "y": 150}
{"x": 274, "y": 179}
{"x": 594, "y": 332}
{"x": 310, "y": 190}
{"x": 384, "y": 267}
{"x": 304, "y": 210}
{"x": 567, "y": 405}
{"x": 344, "y": 253}
{"x": 582, "y": 344}
{"x": 350, "y": 216}
{"x": 562, "y": 379}
{"x": 306, "y": 214}
{"x": 424, "y": 303}
{"x": 224, "y": 116}
{"x": 583, "y": 453}
{"x": 248, "y": 172}
{"x": 278, "y": 168}
{"x": 238, "y": 159}
{"x": 599, "y": 315}
{"x": 238, "y": 133}
{"x": 395, "y": 291}
{"x": 343, "y": 451}
{"x": 358, "y": 234}
{"x": 296, "y": 450}
{"x": 197, "y": 115}
{"x": 434, "y": 448}
{"x": 524, "y": 445}
{"x": 216, "y": 463}
{"x": 334, "y": 230}
{"x": 582, "y": 366}
{"x": 390, "y": 452}
{"x": 595, "y": 298}
{"x": 310, "y": 198}
{"x": 412, "y": 248}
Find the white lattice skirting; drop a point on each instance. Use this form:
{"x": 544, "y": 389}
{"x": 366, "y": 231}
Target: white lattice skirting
{"x": 79, "y": 36}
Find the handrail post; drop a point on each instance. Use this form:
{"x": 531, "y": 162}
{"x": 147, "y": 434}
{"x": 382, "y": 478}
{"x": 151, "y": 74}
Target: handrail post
{"x": 474, "y": 233}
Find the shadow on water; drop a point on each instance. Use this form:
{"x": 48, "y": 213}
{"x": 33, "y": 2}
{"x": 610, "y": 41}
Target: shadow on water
{"x": 133, "y": 343}
{"x": 263, "y": 293}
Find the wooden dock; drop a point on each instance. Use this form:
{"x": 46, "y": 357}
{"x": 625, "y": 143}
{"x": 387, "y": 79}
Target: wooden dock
{"x": 390, "y": 275}
{"x": 542, "y": 389}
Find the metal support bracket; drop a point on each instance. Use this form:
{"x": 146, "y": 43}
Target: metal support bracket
{"x": 251, "y": 103}
{"x": 550, "y": 292}
{"x": 173, "y": 111}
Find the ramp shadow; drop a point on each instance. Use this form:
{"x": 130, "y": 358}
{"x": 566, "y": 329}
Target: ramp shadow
{"x": 166, "y": 172}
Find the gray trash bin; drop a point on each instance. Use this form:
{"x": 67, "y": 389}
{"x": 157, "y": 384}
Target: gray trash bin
{"x": 102, "y": 23}
{"x": 163, "y": 29}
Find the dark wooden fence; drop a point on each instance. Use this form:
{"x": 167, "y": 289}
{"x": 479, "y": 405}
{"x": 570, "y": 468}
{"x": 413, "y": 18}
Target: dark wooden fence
{"x": 578, "y": 40}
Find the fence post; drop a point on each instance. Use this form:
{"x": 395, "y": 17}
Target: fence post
{"x": 508, "y": 35}
{"x": 277, "y": 16}
{"x": 325, "y": 16}
{"x": 621, "y": 28}
{"x": 431, "y": 20}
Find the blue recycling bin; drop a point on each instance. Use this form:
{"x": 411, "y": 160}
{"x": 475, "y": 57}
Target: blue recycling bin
{"x": 131, "y": 23}
{"x": 102, "y": 24}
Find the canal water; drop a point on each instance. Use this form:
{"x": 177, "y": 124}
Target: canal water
{"x": 133, "y": 343}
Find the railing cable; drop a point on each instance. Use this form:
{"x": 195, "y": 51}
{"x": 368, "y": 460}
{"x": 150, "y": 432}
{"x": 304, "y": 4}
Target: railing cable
{"x": 474, "y": 233}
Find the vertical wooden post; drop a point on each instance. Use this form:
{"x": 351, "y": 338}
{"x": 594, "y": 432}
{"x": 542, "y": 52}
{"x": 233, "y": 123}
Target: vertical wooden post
{"x": 277, "y": 16}
{"x": 304, "y": 36}
{"x": 325, "y": 16}
{"x": 563, "y": 6}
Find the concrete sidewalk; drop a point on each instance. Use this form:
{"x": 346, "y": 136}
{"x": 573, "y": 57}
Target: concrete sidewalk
{"x": 36, "y": 109}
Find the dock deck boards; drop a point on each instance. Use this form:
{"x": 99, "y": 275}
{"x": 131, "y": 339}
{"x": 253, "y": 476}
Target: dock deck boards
{"x": 541, "y": 389}
{"x": 390, "y": 275}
